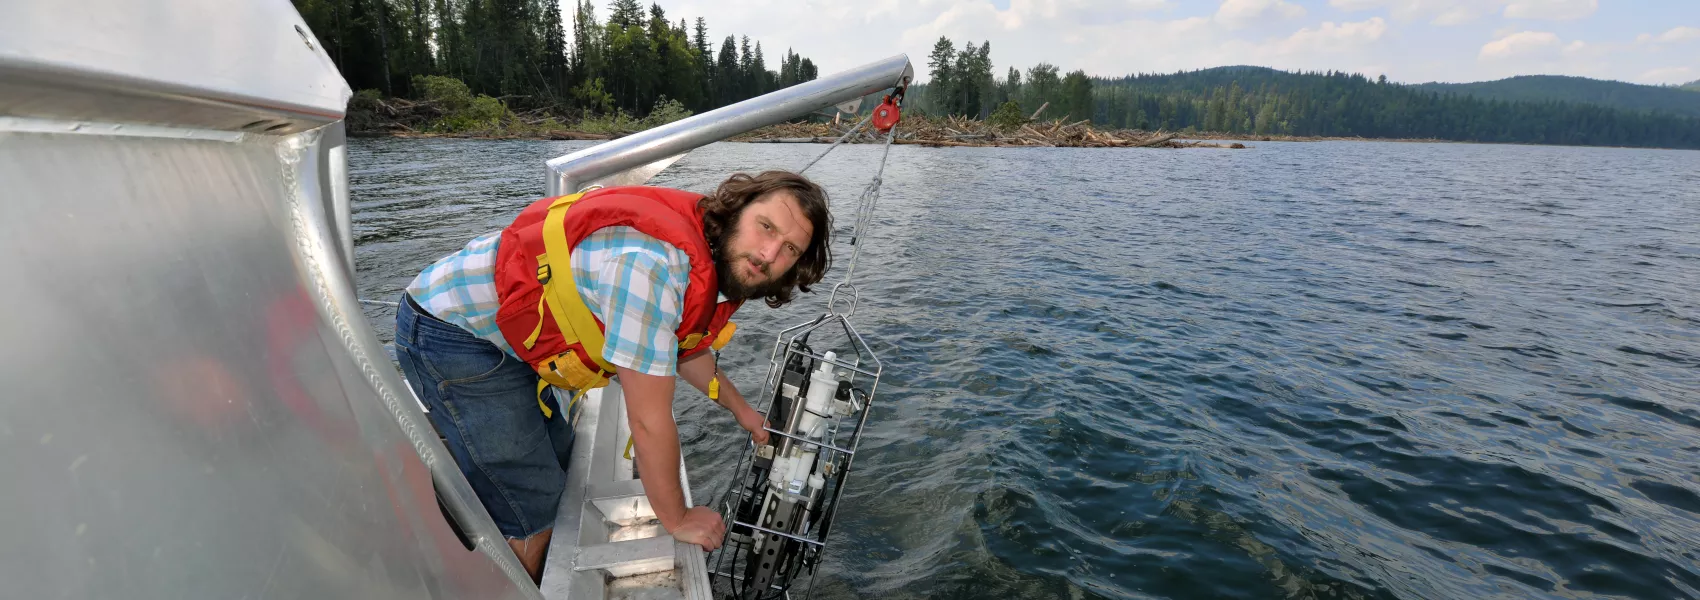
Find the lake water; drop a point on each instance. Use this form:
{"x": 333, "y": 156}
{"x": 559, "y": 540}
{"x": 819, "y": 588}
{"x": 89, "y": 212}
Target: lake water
{"x": 1330, "y": 370}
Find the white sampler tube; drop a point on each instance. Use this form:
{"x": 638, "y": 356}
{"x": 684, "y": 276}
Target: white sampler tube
{"x": 823, "y": 383}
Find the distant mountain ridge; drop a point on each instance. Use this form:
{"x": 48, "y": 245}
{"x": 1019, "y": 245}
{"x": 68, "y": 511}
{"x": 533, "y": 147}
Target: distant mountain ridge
{"x": 1579, "y": 90}
{"x": 1693, "y": 86}
{"x": 1247, "y": 100}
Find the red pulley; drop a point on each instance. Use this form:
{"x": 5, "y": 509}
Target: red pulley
{"x": 886, "y": 115}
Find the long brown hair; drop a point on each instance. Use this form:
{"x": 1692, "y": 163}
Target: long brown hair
{"x": 722, "y": 209}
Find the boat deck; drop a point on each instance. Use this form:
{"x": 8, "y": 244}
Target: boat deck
{"x": 620, "y": 549}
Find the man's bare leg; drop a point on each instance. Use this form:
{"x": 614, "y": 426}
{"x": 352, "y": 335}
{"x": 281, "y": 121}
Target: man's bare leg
{"x": 530, "y": 553}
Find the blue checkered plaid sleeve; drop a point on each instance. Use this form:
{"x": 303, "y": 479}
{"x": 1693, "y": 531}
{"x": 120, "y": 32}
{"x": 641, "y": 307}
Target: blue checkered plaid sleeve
{"x": 640, "y": 295}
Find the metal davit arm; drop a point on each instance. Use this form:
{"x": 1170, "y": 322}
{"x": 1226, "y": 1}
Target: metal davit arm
{"x": 568, "y": 173}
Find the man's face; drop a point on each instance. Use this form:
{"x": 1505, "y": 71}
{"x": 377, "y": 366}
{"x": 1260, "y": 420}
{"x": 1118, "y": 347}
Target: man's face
{"x": 763, "y": 245}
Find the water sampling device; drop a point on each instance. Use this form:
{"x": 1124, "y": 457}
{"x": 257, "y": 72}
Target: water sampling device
{"x": 819, "y": 391}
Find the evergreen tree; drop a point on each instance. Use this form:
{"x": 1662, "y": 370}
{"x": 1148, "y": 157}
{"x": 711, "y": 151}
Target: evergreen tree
{"x": 700, "y": 42}
{"x": 967, "y": 88}
{"x": 747, "y": 81}
{"x": 1077, "y": 95}
{"x": 587, "y": 44}
{"x": 517, "y": 50}
{"x": 555, "y": 65}
{"x": 758, "y": 71}
{"x": 705, "y": 67}
{"x": 787, "y": 70}
{"x": 625, "y": 13}
{"x": 806, "y": 70}
{"x": 1011, "y": 86}
{"x": 729, "y": 85}
{"x": 1042, "y": 87}
{"x": 984, "y": 86}
{"x": 662, "y": 72}
{"x": 629, "y": 57}
{"x": 941, "y": 90}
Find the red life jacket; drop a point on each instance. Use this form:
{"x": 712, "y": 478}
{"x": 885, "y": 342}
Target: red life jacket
{"x": 542, "y": 316}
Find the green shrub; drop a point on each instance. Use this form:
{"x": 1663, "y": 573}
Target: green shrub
{"x": 463, "y": 112}
{"x": 618, "y": 122}
{"x": 1008, "y": 116}
{"x": 362, "y": 110}
{"x": 665, "y": 111}
{"x": 483, "y": 114}
{"x": 449, "y": 93}
{"x": 593, "y": 97}
{"x": 486, "y": 109}
{"x": 366, "y": 99}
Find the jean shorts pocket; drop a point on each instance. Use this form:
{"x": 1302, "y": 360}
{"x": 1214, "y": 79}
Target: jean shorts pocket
{"x": 467, "y": 367}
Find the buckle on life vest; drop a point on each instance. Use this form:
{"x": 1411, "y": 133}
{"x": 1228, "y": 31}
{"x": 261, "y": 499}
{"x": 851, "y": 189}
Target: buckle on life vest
{"x": 544, "y": 273}
{"x": 691, "y": 341}
{"x": 568, "y": 371}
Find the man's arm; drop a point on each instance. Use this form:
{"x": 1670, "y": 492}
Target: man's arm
{"x": 699, "y": 369}
{"x": 649, "y": 411}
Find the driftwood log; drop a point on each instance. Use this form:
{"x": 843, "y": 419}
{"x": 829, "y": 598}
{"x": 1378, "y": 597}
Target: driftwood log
{"x": 963, "y": 132}
{"x": 403, "y": 117}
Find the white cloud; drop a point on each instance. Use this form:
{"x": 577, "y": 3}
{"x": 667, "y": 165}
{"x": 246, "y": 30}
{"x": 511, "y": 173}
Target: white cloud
{"x": 1238, "y": 13}
{"x": 1459, "y": 12}
{"x": 1438, "y": 12}
{"x": 1545, "y": 53}
{"x": 1333, "y": 38}
{"x": 1678, "y": 34}
{"x": 1523, "y": 44}
{"x": 1668, "y": 75}
{"x": 1556, "y": 10}
{"x": 1356, "y": 4}
{"x": 1107, "y": 37}
{"x": 1456, "y": 16}
{"x": 1118, "y": 37}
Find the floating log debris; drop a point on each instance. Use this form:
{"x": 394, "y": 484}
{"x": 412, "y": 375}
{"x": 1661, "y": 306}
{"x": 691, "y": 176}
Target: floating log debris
{"x": 371, "y": 115}
{"x": 962, "y": 132}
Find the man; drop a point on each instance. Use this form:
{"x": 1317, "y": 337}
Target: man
{"x": 649, "y": 279}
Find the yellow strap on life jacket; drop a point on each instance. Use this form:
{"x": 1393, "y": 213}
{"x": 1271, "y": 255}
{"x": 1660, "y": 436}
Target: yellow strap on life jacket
{"x": 560, "y": 292}
{"x": 531, "y": 340}
{"x": 543, "y": 385}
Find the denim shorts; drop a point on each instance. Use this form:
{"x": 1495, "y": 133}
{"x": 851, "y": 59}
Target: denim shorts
{"x": 483, "y": 403}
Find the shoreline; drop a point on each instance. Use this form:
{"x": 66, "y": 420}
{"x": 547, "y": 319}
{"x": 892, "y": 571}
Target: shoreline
{"x": 752, "y": 137}
{"x": 748, "y": 139}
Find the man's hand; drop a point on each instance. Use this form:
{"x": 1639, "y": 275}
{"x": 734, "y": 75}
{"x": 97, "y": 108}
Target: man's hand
{"x": 752, "y": 421}
{"x": 701, "y": 526}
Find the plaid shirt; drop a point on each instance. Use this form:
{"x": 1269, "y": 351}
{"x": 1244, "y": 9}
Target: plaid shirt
{"x": 620, "y": 272}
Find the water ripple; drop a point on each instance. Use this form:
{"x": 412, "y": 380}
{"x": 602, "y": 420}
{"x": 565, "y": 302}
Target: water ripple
{"x": 1326, "y": 370}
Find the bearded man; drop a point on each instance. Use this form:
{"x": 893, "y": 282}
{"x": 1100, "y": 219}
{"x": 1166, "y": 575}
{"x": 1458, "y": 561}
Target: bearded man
{"x": 630, "y": 283}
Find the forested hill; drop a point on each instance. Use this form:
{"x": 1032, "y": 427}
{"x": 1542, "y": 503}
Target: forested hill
{"x": 1692, "y": 86}
{"x": 1258, "y": 100}
{"x": 1546, "y": 88}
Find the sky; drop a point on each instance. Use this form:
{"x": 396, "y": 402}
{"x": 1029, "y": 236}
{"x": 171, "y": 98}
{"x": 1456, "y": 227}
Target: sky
{"x": 1409, "y": 41}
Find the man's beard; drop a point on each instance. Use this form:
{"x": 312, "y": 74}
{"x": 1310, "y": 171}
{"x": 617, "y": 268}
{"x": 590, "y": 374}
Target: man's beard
{"x": 725, "y": 268}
